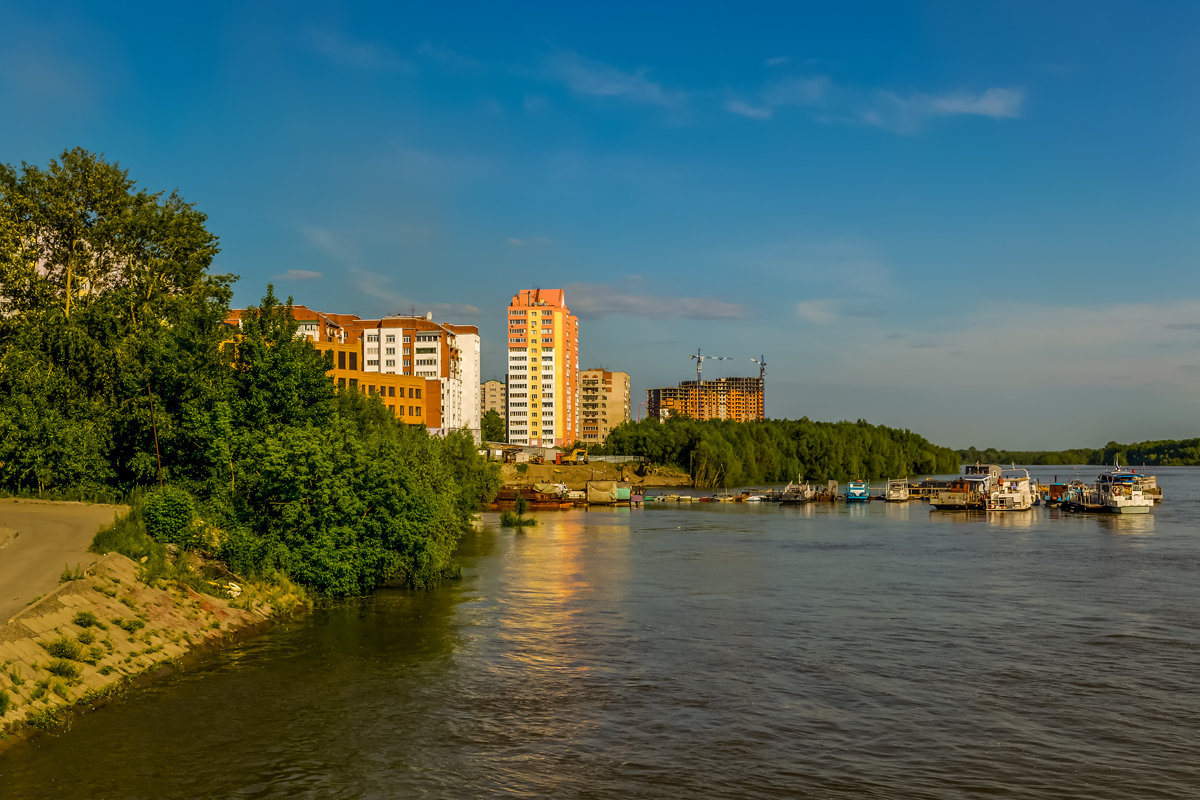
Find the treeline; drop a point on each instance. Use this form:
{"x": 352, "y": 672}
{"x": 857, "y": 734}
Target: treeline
{"x": 724, "y": 453}
{"x": 1164, "y": 453}
{"x": 118, "y": 374}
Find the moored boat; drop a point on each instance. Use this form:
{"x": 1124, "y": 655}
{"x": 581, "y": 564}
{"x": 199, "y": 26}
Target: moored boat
{"x": 858, "y": 492}
{"x": 897, "y": 491}
{"x": 1119, "y": 492}
{"x": 1012, "y": 491}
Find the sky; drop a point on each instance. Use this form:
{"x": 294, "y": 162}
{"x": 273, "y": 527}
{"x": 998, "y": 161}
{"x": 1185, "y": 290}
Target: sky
{"x": 977, "y": 221}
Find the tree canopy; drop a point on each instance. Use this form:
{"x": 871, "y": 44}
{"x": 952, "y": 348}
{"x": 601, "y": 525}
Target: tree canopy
{"x": 118, "y": 372}
{"x": 727, "y": 453}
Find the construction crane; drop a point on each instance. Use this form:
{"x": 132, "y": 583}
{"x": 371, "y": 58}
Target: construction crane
{"x": 700, "y": 358}
{"x": 762, "y": 379}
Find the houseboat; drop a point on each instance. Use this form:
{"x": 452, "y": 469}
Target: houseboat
{"x": 858, "y": 492}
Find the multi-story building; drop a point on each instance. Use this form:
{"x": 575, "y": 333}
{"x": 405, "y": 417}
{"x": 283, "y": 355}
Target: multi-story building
{"x": 739, "y": 399}
{"x": 603, "y": 403}
{"x": 418, "y": 346}
{"x": 493, "y": 396}
{"x": 543, "y": 369}
{"x": 408, "y": 397}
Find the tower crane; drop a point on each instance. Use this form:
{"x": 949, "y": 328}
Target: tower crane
{"x": 762, "y": 379}
{"x": 700, "y": 358}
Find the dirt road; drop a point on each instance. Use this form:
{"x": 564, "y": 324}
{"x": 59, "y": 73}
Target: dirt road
{"x": 38, "y": 539}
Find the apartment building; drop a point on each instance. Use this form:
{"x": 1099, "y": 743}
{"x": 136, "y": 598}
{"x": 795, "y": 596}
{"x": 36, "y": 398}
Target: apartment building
{"x": 543, "y": 369}
{"x": 739, "y": 399}
{"x": 407, "y": 397}
{"x": 418, "y": 346}
{"x": 603, "y": 403}
{"x": 493, "y": 396}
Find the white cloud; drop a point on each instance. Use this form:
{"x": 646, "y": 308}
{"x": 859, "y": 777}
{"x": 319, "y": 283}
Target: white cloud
{"x": 602, "y": 300}
{"x": 439, "y": 51}
{"x": 746, "y": 110}
{"x": 797, "y": 91}
{"x": 356, "y": 54}
{"x": 593, "y": 78}
{"x": 778, "y": 61}
{"x": 516, "y": 242}
{"x": 818, "y": 312}
{"x": 299, "y": 275}
{"x": 995, "y": 103}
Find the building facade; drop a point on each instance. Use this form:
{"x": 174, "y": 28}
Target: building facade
{"x": 418, "y": 346}
{"x": 543, "y": 369}
{"x": 603, "y": 403}
{"x": 739, "y": 399}
{"x": 493, "y": 396}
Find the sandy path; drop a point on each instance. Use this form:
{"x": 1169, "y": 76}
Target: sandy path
{"x": 38, "y": 539}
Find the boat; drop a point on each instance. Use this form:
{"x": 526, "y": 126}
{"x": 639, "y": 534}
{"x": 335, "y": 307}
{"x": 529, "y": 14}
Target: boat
{"x": 896, "y": 491}
{"x": 1118, "y": 492}
{"x": 967, "y": 492}
{"x": 1013, "y": 491}
{"x": 798, "y": 492}
{"x": 858, "y": 492}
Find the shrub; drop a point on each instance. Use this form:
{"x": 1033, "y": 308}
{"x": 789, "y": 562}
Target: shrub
{"x": 511, "y": 519}
{"x": 63, "y": 669}
{"x": 62, "y": 647}
{"x": 168, "y": 513}
{"x": 85, "y": 637}
{"x": 3, "y": 703}
{"x": 129, "y": 625}
{"x": 86, "y": 619}
{"x": 69, "y": 574}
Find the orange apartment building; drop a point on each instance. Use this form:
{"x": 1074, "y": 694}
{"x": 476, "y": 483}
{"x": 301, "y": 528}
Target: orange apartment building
{"x": 407, "y": 397}
{"x": 603, "y": 403}
{"x": 739, "y": 399}
{"x": 543, "y": 369}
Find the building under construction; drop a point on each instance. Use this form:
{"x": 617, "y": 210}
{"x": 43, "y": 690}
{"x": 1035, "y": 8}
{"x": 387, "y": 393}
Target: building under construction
{"x": 739, "y": 399}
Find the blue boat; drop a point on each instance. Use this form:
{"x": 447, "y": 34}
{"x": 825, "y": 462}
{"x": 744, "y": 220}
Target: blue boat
{"x": 858, "y": 492}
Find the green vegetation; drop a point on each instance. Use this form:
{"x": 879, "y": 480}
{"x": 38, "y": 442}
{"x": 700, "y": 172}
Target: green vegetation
{"x": 4, "y": 703}
{"x": 121, "y": 379}
{"x": 725, "y": 453}
{"x": 492, "y": 427}
{"x": 1163, "y": 453}
{"x": 86, "y": 619}
{"x": 69, "y": 574}
{"x": 63, "y": 647}
{"x": 515, "y": 518}
{"x": 64, "y": 669}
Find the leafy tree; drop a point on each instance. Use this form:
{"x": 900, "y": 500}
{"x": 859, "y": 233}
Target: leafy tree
{"x": 492, "y": 427}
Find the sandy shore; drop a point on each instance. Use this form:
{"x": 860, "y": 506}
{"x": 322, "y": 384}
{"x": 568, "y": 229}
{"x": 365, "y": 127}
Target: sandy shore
{"x": 85, "y": 640}
{"x": 576, "y": 477}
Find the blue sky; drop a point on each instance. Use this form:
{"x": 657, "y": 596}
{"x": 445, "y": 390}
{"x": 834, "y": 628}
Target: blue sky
{"x": 978, "y": 221}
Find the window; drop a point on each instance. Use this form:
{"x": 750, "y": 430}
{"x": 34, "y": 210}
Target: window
{"x": 390, "y": 338}
{"x": 392, "y": 392}
{"x": 391, "y": 362}
{"x": 389, "y": 351}
{"x": 372, "y": 349}
{"x": 372, "y": 362}
{"x": 407, "y": 339}
{"x": 342, "y": 383}
{"x": 341, "y": 359}
{"x": 354, "y": 361}
{"x": 354, "y": 383}
{"x": 427, "y": 350}
{"x": 372, "y": 337}
{"x": 418, "y": 394}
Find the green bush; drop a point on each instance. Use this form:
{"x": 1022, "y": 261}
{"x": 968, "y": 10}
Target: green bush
{"x": 86, "y": 619}
{"x": 64, "y": 668}
{"x": 168, "y": 512}
{"x": 62, "y": 647}
{"x": 3, "y": 703}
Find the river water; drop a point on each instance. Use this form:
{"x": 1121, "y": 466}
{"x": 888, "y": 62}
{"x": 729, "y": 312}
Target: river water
{"x": 731, "y": 651}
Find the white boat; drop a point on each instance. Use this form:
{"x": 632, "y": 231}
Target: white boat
{"x": 1012, "y": 491}
{"x": 896, "y": 491}
{"x": 800, "y": 492}
{"x": 1120, "y": 492}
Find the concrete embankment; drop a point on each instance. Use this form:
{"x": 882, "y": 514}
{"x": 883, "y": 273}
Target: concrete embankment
{"x": 90, "y": 637}
{"x": 577, "y": 476}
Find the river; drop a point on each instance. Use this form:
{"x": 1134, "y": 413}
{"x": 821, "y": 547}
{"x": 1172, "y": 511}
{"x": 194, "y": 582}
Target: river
{"x": 709, "y": 650}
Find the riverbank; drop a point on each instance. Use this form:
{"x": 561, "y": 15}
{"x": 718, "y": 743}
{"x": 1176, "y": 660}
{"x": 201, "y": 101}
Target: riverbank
{"x": 91, "y": 637}
{"x": 577, "y": 476}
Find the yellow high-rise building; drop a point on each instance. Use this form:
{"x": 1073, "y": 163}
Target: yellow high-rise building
{"x": 543, "y": 369}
